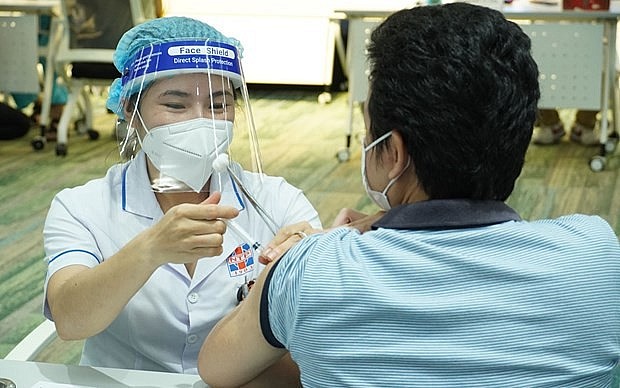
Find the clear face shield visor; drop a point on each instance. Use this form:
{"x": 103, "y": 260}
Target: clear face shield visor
{"x": 182, "y": 102}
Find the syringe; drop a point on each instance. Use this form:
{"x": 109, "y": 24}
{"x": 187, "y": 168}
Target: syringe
{"x": 221, "y": 164}
{"x": 241, "y": 232}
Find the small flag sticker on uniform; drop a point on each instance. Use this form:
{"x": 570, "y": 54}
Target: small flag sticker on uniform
{"x": 241, "y": 260}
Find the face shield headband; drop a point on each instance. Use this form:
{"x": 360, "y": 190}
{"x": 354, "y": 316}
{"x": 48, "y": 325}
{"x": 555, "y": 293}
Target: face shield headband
{"x": 173, "y": 58}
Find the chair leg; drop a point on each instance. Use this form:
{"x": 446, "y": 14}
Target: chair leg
{"x": 88, "y": 110}
{"x": 63, "y": 124}
{"x": 616, "y": 103}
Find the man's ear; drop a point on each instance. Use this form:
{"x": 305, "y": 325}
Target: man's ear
{"x": 398, "y": 153}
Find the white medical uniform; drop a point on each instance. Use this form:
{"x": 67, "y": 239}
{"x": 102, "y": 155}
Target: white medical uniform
{"x": 164, "y": 325}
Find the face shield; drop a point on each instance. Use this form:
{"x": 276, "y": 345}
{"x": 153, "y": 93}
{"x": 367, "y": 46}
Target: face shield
{"x": 181, "y": 103}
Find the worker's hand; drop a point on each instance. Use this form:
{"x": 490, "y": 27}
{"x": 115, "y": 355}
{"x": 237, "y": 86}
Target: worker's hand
{"x": 188, "y": 232}
{"x": 354, "y": 219}
{"x": 285, "y": 239}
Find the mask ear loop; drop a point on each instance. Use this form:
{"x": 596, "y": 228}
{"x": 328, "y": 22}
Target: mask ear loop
{"x": 126, "y": 148}
{"x": 130, "y": 127}
{"x": 377, "y": 141}
{"x": 392, "y": 181}
{"x": 146, "y": 130}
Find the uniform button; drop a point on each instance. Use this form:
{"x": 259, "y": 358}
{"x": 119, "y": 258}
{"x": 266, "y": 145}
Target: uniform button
{"x": 192, "y": 338}
{"x": 193, "y": 297}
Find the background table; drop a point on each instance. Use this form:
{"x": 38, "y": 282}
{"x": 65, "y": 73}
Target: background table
{"x": 49, "y": 7}
{"x": 26, "y": 374}
{"x": 560, "y": 92}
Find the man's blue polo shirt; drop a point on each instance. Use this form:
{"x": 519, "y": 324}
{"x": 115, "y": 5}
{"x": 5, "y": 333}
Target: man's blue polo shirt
{"x": 451, "y": 293}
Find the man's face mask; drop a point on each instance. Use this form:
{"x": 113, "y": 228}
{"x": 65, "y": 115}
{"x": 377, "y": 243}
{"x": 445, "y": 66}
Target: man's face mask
{"x": 378, "y": 197}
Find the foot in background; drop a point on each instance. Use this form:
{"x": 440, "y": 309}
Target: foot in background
{"x": 584, "y": 135}
{"x": 55, "y": 113}
{"x": 548, "y": 134}
{"x": 52, "y": 132}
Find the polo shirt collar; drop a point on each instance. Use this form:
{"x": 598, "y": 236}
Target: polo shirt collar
{"x": 447, "y": 214}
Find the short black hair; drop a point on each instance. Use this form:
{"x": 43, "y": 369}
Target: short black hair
{"x": 458, "y": 81}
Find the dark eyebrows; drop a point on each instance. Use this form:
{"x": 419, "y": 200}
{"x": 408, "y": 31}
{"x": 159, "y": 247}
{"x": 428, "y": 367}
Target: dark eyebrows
{"x": 182, "y": 94}
{"x": 225, "y": 93}
{"x": 176, "y": 93}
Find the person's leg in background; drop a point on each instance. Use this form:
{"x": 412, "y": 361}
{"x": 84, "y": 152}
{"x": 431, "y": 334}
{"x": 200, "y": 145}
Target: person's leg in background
{"x": 60, "y": 93}
{"x": 583, "y": 129}
{"x": 22, "y": 100}
{"x": 549, "y": 128}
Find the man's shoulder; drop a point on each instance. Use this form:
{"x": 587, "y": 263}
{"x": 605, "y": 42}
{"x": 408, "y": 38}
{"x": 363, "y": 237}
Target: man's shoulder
{"x": 579, "y": 225}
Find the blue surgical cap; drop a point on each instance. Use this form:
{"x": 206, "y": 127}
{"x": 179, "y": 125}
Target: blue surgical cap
{"x": 157, "y": 31}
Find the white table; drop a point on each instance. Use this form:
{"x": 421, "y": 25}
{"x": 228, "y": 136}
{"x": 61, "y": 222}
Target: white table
{"x": 26, "y": 374}
{"x": 42, "y": 6}
{"x": 48, "y": 7}
{"x": 363, "y": 16}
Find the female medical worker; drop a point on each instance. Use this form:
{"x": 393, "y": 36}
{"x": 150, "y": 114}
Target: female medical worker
{"x": 140, "y": 262}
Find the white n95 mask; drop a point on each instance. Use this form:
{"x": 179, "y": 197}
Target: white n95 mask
{"x": 378, "y": 197}
{"x": 185, "y": 151}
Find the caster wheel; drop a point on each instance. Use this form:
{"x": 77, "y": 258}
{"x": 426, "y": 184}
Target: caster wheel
{"x": 61, "y": 149}
{"x": 38, "y": 143}
{"x": 325, "y": 98}
{"x": 343, "y": 155}
{"x": 597, "y": 163}
{"x": 92, "y": 134}
{"x": 611, "y": 143}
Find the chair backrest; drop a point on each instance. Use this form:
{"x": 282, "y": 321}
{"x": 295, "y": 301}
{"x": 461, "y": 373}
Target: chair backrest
{"x": 92, "y": 28}
{"x": 88, "y": 36}
{"x": 97, "y": 24}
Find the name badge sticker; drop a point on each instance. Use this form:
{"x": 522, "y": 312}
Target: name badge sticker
{"x": 241, "y": 260}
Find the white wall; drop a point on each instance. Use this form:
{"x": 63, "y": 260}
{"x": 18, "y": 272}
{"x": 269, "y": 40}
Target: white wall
{"x": 285, "y": 42}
